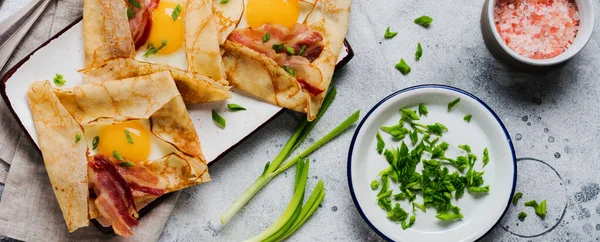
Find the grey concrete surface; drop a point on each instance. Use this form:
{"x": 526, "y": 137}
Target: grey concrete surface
{"x": 551, "y": 116}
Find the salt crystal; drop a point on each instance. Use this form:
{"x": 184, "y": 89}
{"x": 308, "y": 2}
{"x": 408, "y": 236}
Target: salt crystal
{"x": 536, "y": 28}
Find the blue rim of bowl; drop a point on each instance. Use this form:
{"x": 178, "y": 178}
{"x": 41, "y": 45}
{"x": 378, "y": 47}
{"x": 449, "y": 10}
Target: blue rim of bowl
{"x": 434, "y": 86}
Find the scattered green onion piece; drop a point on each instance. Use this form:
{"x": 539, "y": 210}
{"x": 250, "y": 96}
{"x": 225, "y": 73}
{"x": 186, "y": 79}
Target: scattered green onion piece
{"x": 453, "y": 103}
{"x": 424, "y": 21}
{"x": 389, "y": 34}
{"x": 419, "y": 52}
{"x": 403, "y": 67}
{"x": 219, "y": 121}
{"x": 234, "y": 107}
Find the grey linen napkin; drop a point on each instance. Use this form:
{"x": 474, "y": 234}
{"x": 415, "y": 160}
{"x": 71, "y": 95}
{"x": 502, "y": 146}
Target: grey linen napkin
{"x": 28, "y": 208}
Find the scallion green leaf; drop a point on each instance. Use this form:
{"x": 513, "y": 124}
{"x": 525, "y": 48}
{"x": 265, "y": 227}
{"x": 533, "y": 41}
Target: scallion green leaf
{"x": 424, "y": 21}
{"x": 389, "y": 34}
{"x": 234, "y": 107}
{"x": 219, "y": 121}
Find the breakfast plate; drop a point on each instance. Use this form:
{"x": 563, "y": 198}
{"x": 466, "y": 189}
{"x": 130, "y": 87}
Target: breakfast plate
{"x": 480, "y": 211}
{"x": 64, "y": 54}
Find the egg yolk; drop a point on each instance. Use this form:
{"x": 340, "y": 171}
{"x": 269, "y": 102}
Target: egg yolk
{"x": 164, "y": 28}
{"x": 130, "y": 139}
{"x": 284, "y": 12}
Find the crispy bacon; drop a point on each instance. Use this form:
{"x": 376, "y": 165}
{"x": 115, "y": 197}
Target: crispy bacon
{"x": 141, "y": 180}
{"x": 141, "y": 23}
{"x": 298, "y": 37}
{"x": 114, "y": 198}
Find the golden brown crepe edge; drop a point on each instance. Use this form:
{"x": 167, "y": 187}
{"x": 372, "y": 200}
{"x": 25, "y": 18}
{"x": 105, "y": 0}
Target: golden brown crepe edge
{"x": 64, "y": 156}
{"x": 105, "y": 36}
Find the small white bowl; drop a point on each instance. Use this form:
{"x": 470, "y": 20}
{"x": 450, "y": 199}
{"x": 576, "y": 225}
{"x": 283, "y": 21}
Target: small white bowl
{"x": 502, "y": 52}
{"x": 481, "y": 213}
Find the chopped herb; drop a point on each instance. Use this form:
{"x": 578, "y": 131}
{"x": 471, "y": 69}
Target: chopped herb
{"x": 125, "y": 164}
{"x": 397, "y": 131}
{"x": 117, "y": 155}
{"x": 409, "y": 115}
{"x": 403, "y": 67}
{"x": 485, "y": 189}
{"x": 419, "y": 52}
{"x": 389, "y": 34}
{"x": 420, "y": 206}
{"x": 77, "y": 138}
{"x": 95, "y": 142}
{"x": 58, "y": 80}
{"x": 531, "y": 203}
{"x": 219, "y": 121}
{"x": 541, "y": 210}
{"x": 128, "y": 136}
{"x": 380, "y": 143}
{"x": 521, "y": 216}
{"x": 411, "y": 221}
{"x": 135, "y": 3}
{"x": 424, "y": 21}
{"x": 234, "y": 107}
{"x": 516, "y": 198}
{"x": 224, "y": 1}
{"x": 468, "y": 118}
{"x": 290, "y": 50}
{"x": 397, "y": 214}
{"x": 453, "y": 103}
{"x": 414, "y": 137}
{"x": 266, "y": 37}
{"x": 176, "y": 11}
{"x": 423, "y": 110}
{"x": 289, "y": 70}
{"x": 466, "y": 148}
{"x": 486, "y": 157}
{"x": 153, "y": 50}
{"x": 130, "y": 13}
{"x": 278, "y": 47}
{"x": 374, "y": 184}
{"x": 437, "y": 129}
{"x": 302, "y": 50}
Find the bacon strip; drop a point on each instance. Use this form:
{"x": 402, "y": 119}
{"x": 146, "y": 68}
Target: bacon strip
{"x": 299, "y": 37}
{"x": 114, "y": 198}
{"x": 141, "y": 23}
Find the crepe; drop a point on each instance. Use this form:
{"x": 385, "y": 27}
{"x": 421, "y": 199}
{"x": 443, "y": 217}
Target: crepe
{"x": 62, "y": 115}
{"x": 261, "y": 76}
{"x": 108, "y": 40}
{"x": 194, "y": 88}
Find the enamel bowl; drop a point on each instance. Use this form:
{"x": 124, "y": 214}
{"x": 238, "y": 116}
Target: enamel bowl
{"x": 485, "y": 130}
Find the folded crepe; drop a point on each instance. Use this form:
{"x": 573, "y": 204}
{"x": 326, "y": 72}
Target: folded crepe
{"x": 179, "y": 34}
{"x": 112, "y": 147}
{"x": 290, "y": 66}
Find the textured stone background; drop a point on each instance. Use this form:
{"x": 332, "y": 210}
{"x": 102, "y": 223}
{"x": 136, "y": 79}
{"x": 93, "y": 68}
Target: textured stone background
{"x": 552, "y": 118}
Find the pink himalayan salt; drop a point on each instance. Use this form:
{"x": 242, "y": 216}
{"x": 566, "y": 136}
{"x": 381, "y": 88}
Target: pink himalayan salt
{"x": 538, "y": 29}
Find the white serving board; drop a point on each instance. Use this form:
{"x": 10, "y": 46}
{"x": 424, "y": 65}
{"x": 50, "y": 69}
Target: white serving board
{"x": 64, "y": 54}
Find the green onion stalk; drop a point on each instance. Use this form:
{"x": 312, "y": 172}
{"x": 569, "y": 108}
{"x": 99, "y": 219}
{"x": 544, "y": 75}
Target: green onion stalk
{"x": 274, "y": 168}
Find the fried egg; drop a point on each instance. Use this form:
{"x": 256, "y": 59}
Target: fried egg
{"x": 166, "y": 36}
{"x": 133, "y": 140}
{"x": 282, "y": 12}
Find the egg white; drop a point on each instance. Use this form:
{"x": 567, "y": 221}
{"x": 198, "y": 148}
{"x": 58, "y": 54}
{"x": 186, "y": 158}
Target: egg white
{"x": 158, "y": 147}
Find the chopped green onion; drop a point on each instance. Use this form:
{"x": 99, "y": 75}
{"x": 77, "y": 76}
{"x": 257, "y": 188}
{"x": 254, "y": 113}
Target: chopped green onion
{"x": 290, "y": 50}
{"x": 134, "y": 3}
{"x": 419, "y": 52}
{"x": 302, "y": 50}
{"x": 289, "y": 70}
{"x": 176, "y": 11}
{"x": 117, "y": 155}
{"x": 278, "y": 47}
{"x": 126, "y": 164}
{"x": 423, "y": 110}
{"x": 128, "y": 136}
{"x": 95, "y": 142}
{"x": 424, "y": 21}
{"x": 153, "y": 49}
{"x": 234, "y": 107}
{"x": 77, "y": 138}
{"x": 521, "y": 216}
{"x": 380, "y": 143}
{"x": 516, "y": 198}
{"x": 59, "y": 80}
{"x": 453, "y": 103}
{"x": 266, "y": 37}
{"x": 374, "y": 184}
{"x": 468, "y": 118}
{"x": 388, "y": 34}
{"x": 403, "y": 67}
{"x": 223, "y": 1}
{"x": 219, "y": 121}
{"x": 130, "y": 13}
{"x": 486, "y": 157}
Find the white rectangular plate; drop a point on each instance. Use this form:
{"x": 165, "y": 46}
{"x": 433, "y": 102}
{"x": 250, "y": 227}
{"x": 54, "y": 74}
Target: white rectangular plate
{"x": 64, "y": 54}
